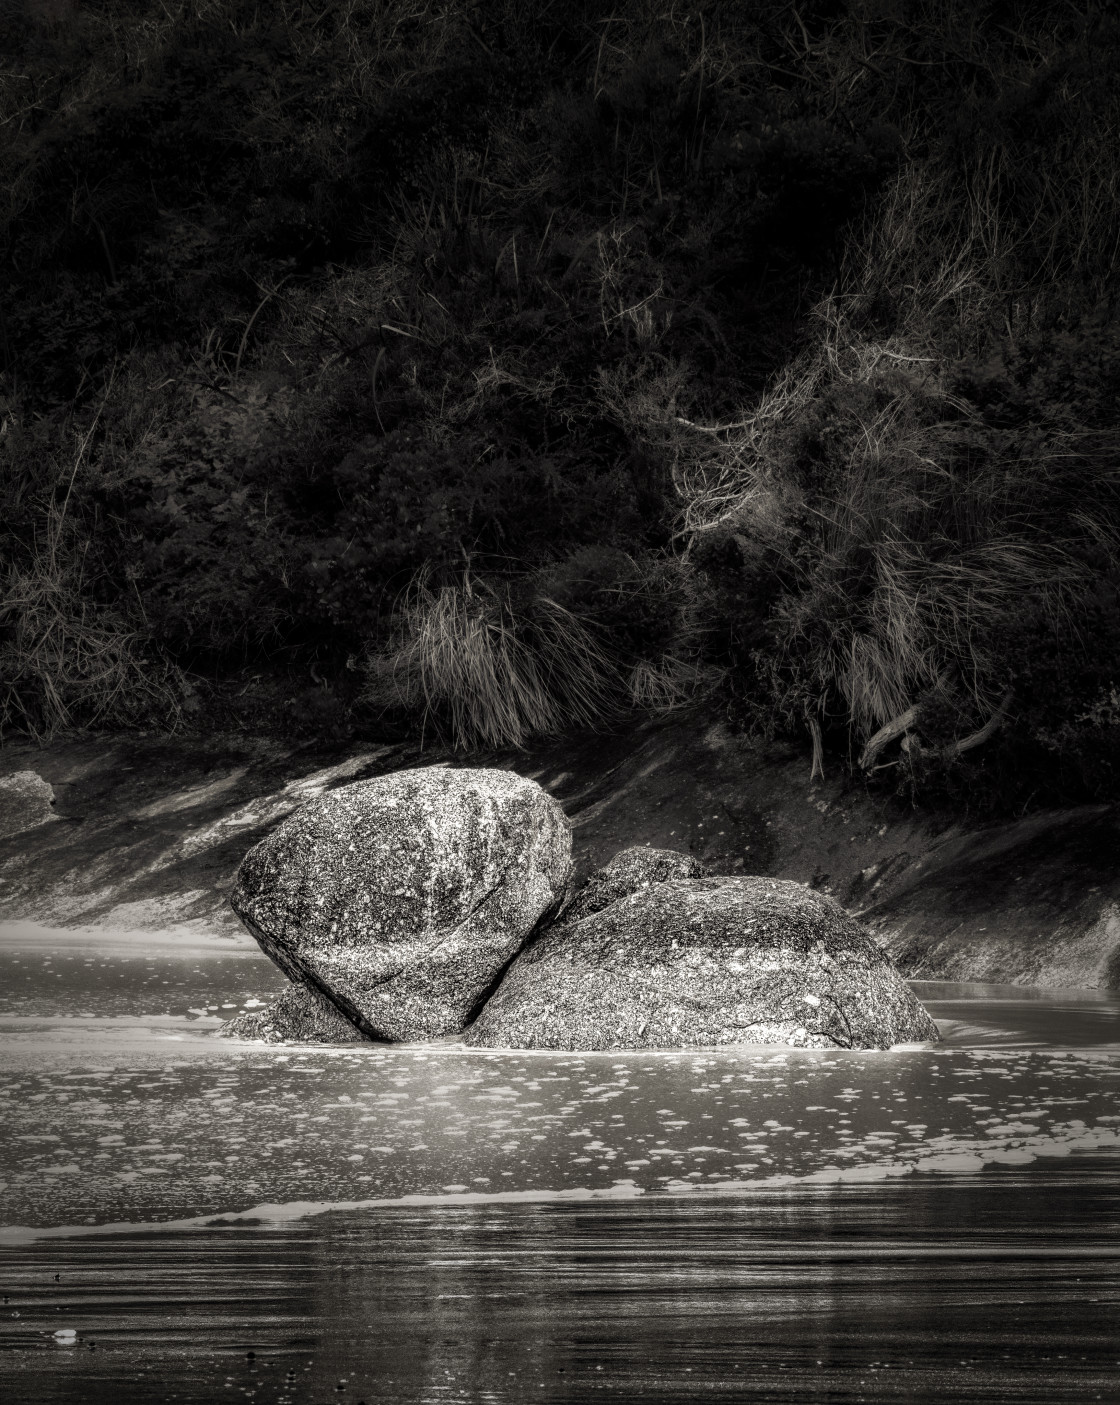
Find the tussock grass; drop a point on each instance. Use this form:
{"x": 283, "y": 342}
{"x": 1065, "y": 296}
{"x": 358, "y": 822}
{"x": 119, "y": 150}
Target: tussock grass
{"x": 65, "y": 662}
{"x": 485, "y": 666}
{"x": 671, "y": 683}
{"x": 484, "y": 673}
{"x": 67, "y": 658}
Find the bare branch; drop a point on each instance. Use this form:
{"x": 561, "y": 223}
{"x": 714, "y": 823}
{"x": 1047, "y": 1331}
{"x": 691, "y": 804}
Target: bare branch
{"x": 989, "y": 728}
{"x": 886, "y": 734}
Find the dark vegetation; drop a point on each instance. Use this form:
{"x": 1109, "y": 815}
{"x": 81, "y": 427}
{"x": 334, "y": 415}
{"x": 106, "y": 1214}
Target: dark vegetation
{"x": 496, "y": 369}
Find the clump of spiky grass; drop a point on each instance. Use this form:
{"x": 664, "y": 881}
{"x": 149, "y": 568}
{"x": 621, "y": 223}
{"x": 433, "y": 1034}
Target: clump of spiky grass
{"x": 64, "y": 662}
{"x": 671, "y": 683}
{"x": 66, "y": 659}
{"x": 493, "y": 664}
{"x": 478, "y": 669}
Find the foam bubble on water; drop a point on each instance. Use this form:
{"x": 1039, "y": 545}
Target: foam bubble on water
{"x": 950, "y": 1161}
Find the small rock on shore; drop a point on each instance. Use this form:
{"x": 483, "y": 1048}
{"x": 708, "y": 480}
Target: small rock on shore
{"x": 298, "y": 1015}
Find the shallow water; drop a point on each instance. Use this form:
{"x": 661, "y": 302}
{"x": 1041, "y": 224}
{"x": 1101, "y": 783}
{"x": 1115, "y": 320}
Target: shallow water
{"x": 451, "y": 1223}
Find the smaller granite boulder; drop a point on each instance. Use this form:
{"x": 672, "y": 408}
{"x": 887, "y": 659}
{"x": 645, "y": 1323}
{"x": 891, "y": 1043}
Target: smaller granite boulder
{"x": 704, "y": 962}
{"x": 298, "y": 1015}
{"x": 25, "y": 802}
{"x": 626, "y": 873}
{"x": 403, "y": 898}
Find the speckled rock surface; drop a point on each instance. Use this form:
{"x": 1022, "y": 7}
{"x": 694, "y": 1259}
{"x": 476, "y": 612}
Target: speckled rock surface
{"x": 25, "y": 802}
{"x": 628, "y": 872}
{"x": 704, "y": 962}
{"x": 403, "y": 897}
{"x": 298, "y": 1015}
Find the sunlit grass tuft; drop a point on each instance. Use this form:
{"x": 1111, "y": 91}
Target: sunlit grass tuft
{"x": 482, "y": 672}
{"x": 497, "y": 664}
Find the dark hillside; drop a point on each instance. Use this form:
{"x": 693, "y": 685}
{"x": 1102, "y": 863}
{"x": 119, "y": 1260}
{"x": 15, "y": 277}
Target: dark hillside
{"x": 499, "y": 369}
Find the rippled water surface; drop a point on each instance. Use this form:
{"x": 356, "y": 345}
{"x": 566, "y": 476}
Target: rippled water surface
{"x": 442, "y": 1223}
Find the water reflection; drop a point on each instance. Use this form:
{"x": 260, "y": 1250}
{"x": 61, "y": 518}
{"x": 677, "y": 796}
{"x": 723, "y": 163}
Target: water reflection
{"x": 994, "y": 1287}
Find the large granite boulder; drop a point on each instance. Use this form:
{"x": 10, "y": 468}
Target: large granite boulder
{"x": 402, "y": 898}
{"x": 298, "y": 1015}
{"x": 629, "y": 871}
{"x": 702, "y": 962}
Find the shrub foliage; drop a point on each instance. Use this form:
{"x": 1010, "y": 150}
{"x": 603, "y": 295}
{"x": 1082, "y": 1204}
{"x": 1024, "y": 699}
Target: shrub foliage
{"x": 511, "y": 367}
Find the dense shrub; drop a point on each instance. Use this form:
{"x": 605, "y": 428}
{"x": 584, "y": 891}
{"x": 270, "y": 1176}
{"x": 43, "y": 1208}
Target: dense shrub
{"x": 770, "y": 345}
{"x": 934, "y": 485}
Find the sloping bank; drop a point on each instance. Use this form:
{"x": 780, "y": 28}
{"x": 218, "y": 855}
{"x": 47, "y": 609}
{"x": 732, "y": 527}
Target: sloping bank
{"x": 146, "y": 833}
